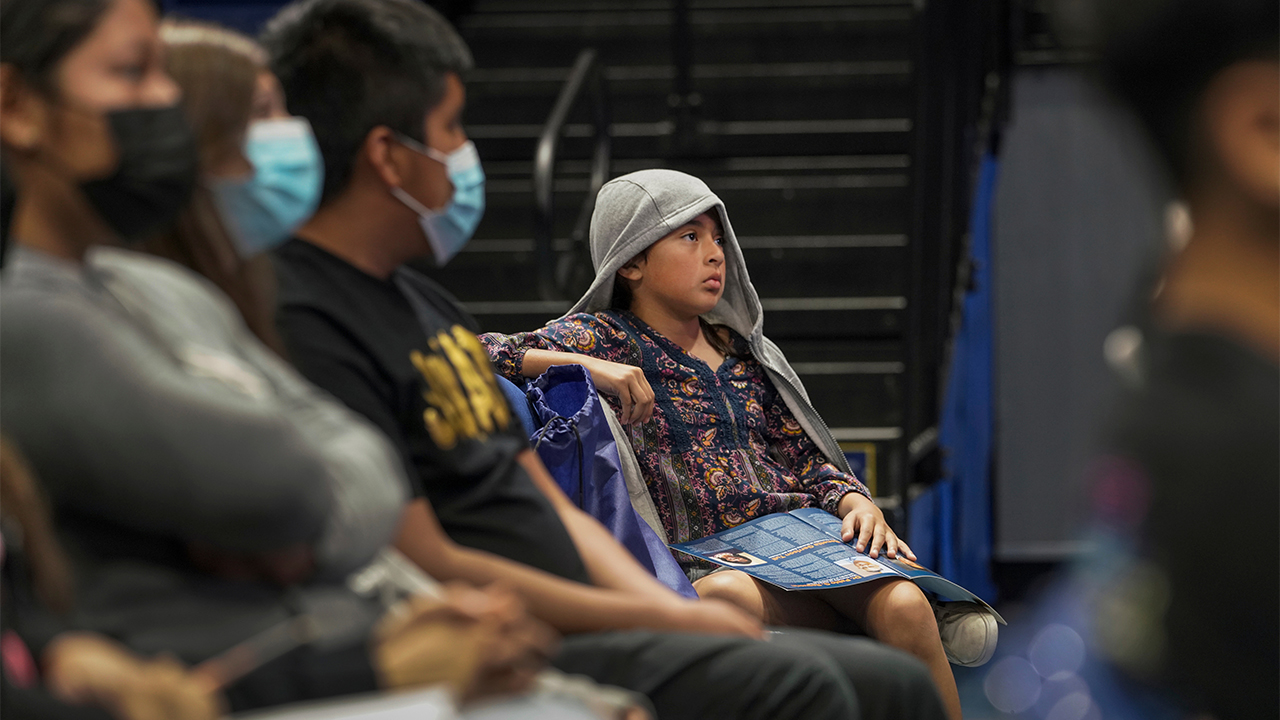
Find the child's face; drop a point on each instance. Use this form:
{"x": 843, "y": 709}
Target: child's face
{"x": 684, "y": 271}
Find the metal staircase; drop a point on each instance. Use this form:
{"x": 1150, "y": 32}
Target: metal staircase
{"x": 798, "y": 114}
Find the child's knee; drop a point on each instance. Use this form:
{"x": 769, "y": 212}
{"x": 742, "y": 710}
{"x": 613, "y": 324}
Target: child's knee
{"x": 730, "y": 586}
{"x": 903, "y": 604}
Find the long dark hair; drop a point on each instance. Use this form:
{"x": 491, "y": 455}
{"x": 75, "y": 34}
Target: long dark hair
{"x": 35, "y": 35}
{"x": 24, "y": 502}
{"x": 717, "y": 335}
{"x": 217, "y": 69}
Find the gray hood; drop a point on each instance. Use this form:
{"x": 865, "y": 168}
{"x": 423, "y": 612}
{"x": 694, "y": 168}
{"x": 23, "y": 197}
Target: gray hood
{"x": 635, "y": 211}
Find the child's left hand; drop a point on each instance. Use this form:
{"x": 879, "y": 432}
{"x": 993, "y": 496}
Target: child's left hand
{"x": 863, "y": 520}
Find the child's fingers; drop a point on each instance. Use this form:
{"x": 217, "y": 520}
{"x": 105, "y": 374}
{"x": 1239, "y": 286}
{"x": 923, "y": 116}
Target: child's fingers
{"x": 906, "y": 550}
{"x": 864, "y": 535}
{"x": 849, "y": 528}
{"x": 646, "y": 393}
{"x": 877, "y": 539}
{"x": 624, "y": 395}
{"x": 891, "y": 545}
{"x": 643, "y": 397}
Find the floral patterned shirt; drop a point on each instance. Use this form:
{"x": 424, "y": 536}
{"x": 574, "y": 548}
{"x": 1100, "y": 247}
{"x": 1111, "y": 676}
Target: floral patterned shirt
{"x": 722, "y": 446}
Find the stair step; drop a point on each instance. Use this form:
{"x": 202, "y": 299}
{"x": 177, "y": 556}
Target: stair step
{"x": 832, "y": 272}
{"x": 501, "y": 6}
{"x": 844, "y": 181}
{"x": 825, "y": 318}
{"x": 598, "y": 21}
{"x": 816, "y": 96}
{"x": 880, "y": 319}
{"x": 527, "y": 77}
{"x": 574, "y": 168}
{"x": 840, "y": 350}
{"x": 623, "y": 130}
{"x": 785, "y": 242}
{"x": 866, "y": 434}
{"x": 870, "y": 205}
{"x": 621, "y": 46}
{"x": 856, "y": 399}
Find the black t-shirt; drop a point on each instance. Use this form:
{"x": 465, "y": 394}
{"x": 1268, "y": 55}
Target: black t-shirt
{"x": 421, "y": 376}
{"x": 1204, "y": 427}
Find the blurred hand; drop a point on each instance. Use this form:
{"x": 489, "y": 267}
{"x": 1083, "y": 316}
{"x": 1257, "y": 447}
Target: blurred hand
{"x": 88, "y": 669}
{"x": 864, "y": 521}
{"x": 479, "y": 642}
{"x": 714, "y": 617}
{"x": 628, "y": 383}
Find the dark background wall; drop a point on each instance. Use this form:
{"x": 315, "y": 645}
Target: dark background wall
{"x": 1077, "y": 218}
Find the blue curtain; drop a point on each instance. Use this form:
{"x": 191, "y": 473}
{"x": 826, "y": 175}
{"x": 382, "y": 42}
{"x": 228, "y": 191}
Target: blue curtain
{"x": 950, "y": 524}
{"x": 247, "y": 16}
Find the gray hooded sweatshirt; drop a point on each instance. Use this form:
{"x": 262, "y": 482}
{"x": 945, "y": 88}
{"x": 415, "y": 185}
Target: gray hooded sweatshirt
{"x": 635, "y": 211}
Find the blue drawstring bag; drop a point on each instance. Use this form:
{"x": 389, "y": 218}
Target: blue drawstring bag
{"x": 578, "y": 449}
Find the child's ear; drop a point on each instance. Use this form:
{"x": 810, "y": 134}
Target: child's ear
{"x": 631, "y": 271}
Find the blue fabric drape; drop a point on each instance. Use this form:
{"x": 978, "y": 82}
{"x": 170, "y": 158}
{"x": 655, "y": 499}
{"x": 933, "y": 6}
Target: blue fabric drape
{"x": 519, "y": 404}
{"x": 576, "y": 445}
{"x": 951, "y": 522}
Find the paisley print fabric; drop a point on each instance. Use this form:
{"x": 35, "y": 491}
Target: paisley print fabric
{"x": 721, "y": 448}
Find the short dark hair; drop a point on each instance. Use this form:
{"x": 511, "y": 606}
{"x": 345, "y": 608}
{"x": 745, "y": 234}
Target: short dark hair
{"x": 349, "y": 66}
{"x": 1159, "y": 56}
{"x": 36, "y": 34}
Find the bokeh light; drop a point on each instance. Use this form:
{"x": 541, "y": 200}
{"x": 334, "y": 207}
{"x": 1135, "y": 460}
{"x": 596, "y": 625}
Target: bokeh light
{"x": 1057, "y": 652}
{"x": 1012, "y": 685}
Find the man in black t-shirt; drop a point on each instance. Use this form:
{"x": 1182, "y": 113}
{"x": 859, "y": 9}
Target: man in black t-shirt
{"x": 424, "y": 379}
{"x": 379, "y": 81}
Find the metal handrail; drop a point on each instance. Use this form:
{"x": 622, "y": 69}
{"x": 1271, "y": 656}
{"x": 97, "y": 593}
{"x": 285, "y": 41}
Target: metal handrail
{"x": 587, "y": 74}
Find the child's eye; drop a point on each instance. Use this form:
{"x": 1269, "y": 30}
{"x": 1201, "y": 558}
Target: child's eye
{"x": 720, "y": 241}
{"x": 690, "y": 236}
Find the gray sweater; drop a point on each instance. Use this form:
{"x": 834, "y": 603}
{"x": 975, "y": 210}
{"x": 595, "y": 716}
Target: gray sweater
{"x": 144, "y": 403}
{"x": 138, "y": 394}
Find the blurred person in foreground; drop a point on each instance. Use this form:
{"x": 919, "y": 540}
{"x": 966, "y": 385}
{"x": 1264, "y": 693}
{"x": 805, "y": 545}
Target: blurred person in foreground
{"x": 51, "y": 671}
{"x": 1194, "y": 453}
{"x": 204, "y": 491}
{"x": 1176, "y": 612}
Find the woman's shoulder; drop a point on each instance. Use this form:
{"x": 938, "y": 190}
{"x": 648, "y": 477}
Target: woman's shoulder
{"x": 151, "y": 271}
{"x": 168, "y": 292}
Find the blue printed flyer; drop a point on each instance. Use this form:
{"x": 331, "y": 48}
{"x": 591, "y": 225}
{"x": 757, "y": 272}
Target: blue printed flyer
{"x": 802, "y": 550}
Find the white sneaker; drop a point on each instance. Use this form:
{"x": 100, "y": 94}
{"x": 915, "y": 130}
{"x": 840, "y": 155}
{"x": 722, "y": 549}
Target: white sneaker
{"x": 968, "y": 632}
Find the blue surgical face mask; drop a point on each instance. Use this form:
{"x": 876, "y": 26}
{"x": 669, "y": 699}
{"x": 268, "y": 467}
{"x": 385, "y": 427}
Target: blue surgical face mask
{"x": 449, "y": 229}
{"x": 263, "y": 210}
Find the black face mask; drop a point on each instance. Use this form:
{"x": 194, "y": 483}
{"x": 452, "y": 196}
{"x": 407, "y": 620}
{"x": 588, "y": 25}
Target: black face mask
{"x": 157, "y": 171}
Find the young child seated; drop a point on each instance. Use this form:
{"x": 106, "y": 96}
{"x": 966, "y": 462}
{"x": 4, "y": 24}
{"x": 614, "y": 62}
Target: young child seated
{"x": 671, "y": 331}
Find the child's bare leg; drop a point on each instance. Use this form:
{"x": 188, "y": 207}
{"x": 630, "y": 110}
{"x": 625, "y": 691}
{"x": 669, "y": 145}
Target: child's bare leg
{"x": 770, "y": 605}
{"x": 896, "y": 613}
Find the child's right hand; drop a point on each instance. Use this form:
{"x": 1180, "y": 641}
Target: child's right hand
{"x": 628, "y": 383}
